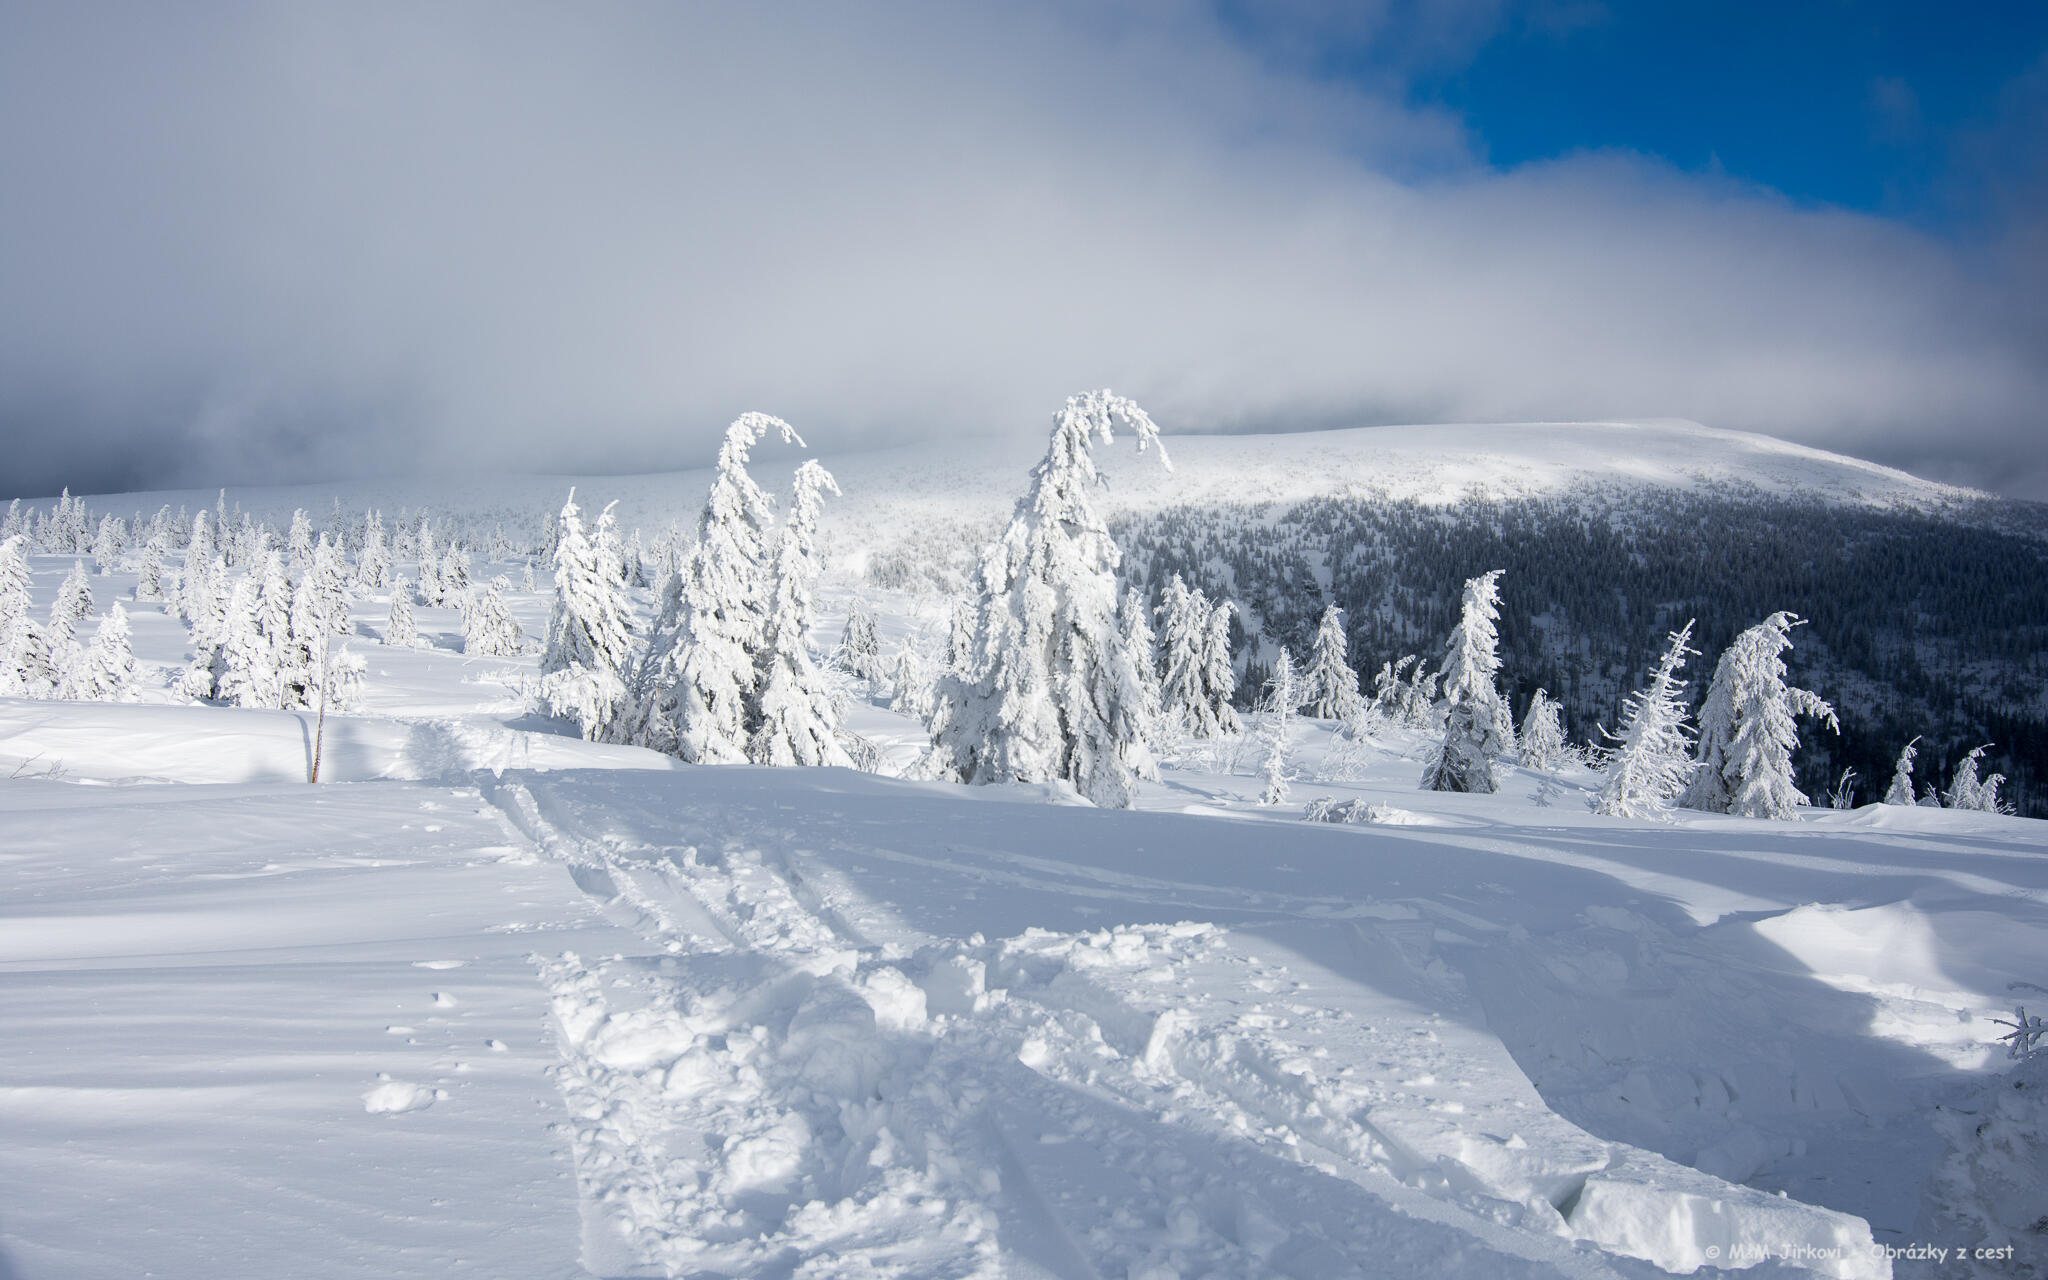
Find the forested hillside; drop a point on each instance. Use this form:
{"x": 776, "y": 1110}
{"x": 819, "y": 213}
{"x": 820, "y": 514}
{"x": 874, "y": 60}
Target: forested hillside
{"x": 1932, "y": 623}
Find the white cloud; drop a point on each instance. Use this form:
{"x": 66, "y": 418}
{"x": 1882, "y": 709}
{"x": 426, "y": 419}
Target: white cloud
{"x": 285, "y": 239}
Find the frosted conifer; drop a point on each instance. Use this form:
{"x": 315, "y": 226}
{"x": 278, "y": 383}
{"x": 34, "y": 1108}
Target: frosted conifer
{"x": 248, "y": 673}
{"x": 488, "y": 628}
{"x": 71, "y": 607}
{"x": 1901, "y": 789}
{"x": 400, "y": 630}
{"x": 149, "y": 576}
{"x": 25, "y": 666}
{"x": 696, "y": 691}
{"x": 373, "y": 561}
{"x": 1651, "y": 759}
{"x": 1542, "y": 736}
{"x": 1332, "y": 686}
{"x": 590, "y": 631}
{"x": 1475, "y": 722}
{"x": 1747, "y": 728}
{"x": 1053, "y": 694}
{"x": 1968, "y": 791}
{"x": 1282, "y": 697}
{"x": 860, "y": 645}
{"x": 429, "y": 565}
{"x": 105, "y": 670}
{"x": 1141, "y": 656}
{"x": 796, "y": 721}
{"x": 299, "y": 542}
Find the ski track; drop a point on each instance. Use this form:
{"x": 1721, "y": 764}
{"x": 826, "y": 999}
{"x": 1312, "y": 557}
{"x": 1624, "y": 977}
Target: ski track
{"x": 790, "y": 1083}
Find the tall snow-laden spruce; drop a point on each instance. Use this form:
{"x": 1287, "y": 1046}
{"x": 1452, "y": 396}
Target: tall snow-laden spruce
{"x": 1052, "y": 693}
{"x": 1476, "y": 729}
{"x": 488, "y": 628}
{"x": 860, "y": 644}
{"x": 1331, "y": 685}
{"x": 797, "y": 721}
{"x": 590, "y": 632}
{"x": 1140, "y": 650}
{"x": 105, "y": 669}
{"x": 1218, "y": 675}
{"x": 72, "y": 606}
{"x": 1901, "y": 789}
{"x": 695, "y": 693}
{"x": 1748, "y": 729}
{"x": 401, "y": 631}
{"x": 1651, "y": 759}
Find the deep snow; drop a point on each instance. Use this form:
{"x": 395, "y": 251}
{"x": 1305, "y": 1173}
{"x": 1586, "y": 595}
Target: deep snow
{"x": 492, "y": 1001}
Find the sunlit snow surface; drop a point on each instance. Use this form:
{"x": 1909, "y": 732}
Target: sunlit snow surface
{"x": 494, "y": 1002}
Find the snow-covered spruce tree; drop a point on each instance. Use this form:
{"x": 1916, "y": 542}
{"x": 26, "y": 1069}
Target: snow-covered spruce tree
{"x": 107, "y": 543}
{"x": 860, "y": 645}
{"x": 1542, "y": 736}
{"x": 914, "y": 682}
{"x": 149, "y": 573}
{"x": 1214, "y": 669}
{"x": 105, "y": 669}
{"x": 298, "y": 543}
{"x": 345, "y": 672}
{"x": 249, "y": 674}
{"x": 455, "y": 581}
{"x": 590, "y": 632}
{"x": 400, "y": 630}
{"x": 1476, "y": 730}
{"x": 1651, "y": 759}
{"x": 1276, "y": 716}
{"x": 429, "y": 565}
{"x": 1140, "y": 651}
{"x": 71, "y": 607}
{"x": 1053, "y": 694}
{"x": 1747, "y": 728}
{"x": 25, "y": 667}
{"x": 1184, "y": 627}
{"x": 488, "y": 628}
{"x": 373, "y": 560}
{"x": 1901, "y": 789}
{"x": 1332, "y": 686}
{"x": 194, "y": 597}
{"x": 1968, "y": 791}
{"x": 796, "y": 722}
{"x": 694, "y": 692}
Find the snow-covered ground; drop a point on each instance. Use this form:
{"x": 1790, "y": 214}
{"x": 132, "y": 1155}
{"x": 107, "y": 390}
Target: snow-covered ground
{"x": 492, "y": 1001}
{"x": 497, "y": 1002}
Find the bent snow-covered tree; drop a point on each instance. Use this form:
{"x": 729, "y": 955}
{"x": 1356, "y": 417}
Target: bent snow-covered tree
{"x": 1651, "y": 758}
{"x": 1476, "y": 728}
{"x": 1901, "y": 789}
{"x": 797, "y": 720}
{"x": 1748, "y": 729}
{"x": 1052, "y": 693}
{"x": 590, "y": 634}
{"x": 694, "y": 696}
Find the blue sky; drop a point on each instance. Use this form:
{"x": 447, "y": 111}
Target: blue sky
{"x": 242, "y": 241}
{"x": 1852, "y": 103}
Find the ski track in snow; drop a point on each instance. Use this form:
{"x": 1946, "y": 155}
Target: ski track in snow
{"x": 793, "y": 1083}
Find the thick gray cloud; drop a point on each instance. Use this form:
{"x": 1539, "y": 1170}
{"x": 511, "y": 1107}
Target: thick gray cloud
{"x": 291, "y": 241}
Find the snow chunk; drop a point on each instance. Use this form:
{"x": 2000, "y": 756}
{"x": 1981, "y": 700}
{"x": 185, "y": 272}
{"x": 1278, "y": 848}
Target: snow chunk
{"x": 396, "y": 1096}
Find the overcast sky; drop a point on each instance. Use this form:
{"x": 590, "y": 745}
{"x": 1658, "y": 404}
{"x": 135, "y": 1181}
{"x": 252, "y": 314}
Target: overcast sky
{"x": 270, "y": 242}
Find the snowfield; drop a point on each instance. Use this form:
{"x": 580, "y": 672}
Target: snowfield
{"x": 494, "y": 1001}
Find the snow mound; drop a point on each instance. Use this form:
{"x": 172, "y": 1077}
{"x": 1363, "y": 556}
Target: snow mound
{"x": 394, "y": 1097}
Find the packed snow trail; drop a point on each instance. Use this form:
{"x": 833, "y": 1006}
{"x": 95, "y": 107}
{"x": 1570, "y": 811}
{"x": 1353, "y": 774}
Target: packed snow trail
{"x": 798, "y": 1080}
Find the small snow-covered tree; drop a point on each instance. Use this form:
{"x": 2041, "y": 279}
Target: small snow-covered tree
{"x": 1901, "y": 789}
{"x": 1282, "y": 697}
{"x": 194, "y": 596}
{"x": 1748, "y": 729}
{"x": 373, "y": 559}
{"x": 860, "y": 644}
{"x": 590, "y": 633}
{"x": 1332, "y": 686}
{"x": 1184, "y": 625}
{"x": 429, "y": 565}
{"x": 1476, "y": 728}
{"x": 26, "y": 670}
{"x": 1219, "y": 676}
{"x": 488, "y": 628}
{"x": 345, "y": 672}
{"x": 1542, "y": 736}
{"x": 249, "y": 674}
{"x": 401, "y": 631}
{"x": 695, "y": 690}
{"x": 1141, "y": 653}
{"x": 1651, "y": 758}
{"x": 298, "y": 543}
{"x": 1052, "y": 693}
{"x": 72, "y": 606}
{"x": 107, "y": 543}
{"x": 796, "y": 722}
{"x": 105, "y": 669}
{"x": 149, "y": 574}
{"x": 1966, "y": 790}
